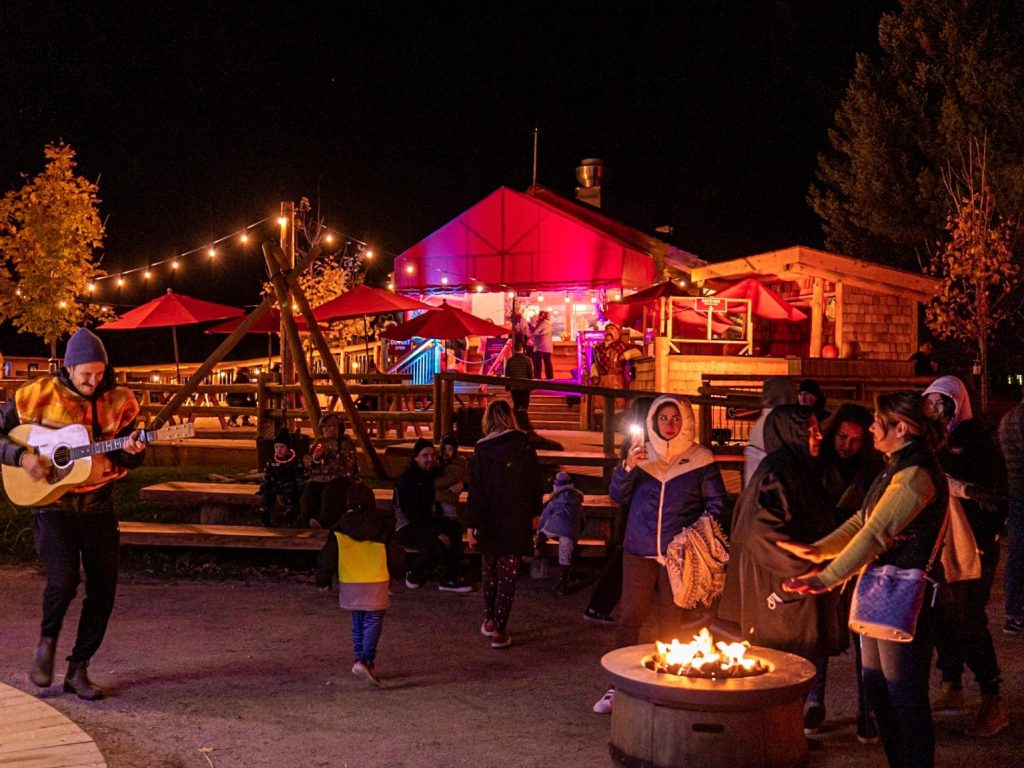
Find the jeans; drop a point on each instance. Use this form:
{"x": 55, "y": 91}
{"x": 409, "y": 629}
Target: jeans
{"x": 1015, "y": 560}
{"x": 366, "y": 629}
{"x": 65, "y": 541}
{"x": 642, "y": 578}
{"x": 963, "y": 637}
{"x": 544, "y": 358}
{"x": 896, "y": 683}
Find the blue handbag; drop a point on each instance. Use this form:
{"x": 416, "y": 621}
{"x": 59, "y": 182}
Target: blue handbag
{"x": 888, "y": 600}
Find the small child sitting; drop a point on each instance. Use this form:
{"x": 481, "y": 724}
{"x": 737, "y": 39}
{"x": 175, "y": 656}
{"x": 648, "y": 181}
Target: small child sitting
{"x": 283, "y": 476}
{"x": 562, "y": 519}
{"x": 356, "y": 553}
{"x": 454, "y": 477}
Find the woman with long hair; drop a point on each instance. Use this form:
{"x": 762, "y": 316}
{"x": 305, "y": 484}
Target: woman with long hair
{"x": 505, "y": 494}
{"x": 899, "y": 525}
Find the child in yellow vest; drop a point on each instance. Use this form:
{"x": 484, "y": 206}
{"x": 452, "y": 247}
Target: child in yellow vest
{"x": 356, "y": 554}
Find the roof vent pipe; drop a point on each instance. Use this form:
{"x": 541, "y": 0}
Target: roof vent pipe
{"x": 589, "y": 174}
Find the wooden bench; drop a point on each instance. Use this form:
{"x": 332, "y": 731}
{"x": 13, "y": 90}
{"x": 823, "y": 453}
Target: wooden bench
{"x": 34, "y": 733}
{"x": 239, "y": 501}
{"x": 145, "y": 534}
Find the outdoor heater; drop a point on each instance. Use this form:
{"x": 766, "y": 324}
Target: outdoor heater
{"x": 707, "y": 704}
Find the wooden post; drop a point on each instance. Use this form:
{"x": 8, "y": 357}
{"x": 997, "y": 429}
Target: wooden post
{"x": 839, "y": 316}
{"x": 704, "y": 424}
{"x": 817, "y": 316}
{"x": 277, "y": 279}
{"x": 438, "y": 389}
{"x": 324, "y": 349}
{"x": 262, "y": 405}
{"x": 608, "y": 433}
{"x": 661, "y": 367}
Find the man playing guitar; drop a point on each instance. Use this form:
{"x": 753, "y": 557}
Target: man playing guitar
{"x": 80, "y": 526}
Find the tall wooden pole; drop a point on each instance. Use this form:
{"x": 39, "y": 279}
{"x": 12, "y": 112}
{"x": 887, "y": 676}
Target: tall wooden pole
{"x": 324, "y": 349}
{"x": 288, "y": 246}
{"x": 291, "y": 335}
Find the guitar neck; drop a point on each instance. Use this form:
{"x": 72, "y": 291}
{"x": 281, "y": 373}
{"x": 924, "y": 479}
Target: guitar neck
{"x": 106, "y": 446}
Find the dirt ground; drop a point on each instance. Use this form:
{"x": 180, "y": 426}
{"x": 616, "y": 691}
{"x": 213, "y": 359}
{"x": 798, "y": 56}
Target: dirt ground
{"x": 230, "y": 674}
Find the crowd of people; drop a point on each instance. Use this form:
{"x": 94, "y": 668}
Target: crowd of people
{"x": 826, "y": 495}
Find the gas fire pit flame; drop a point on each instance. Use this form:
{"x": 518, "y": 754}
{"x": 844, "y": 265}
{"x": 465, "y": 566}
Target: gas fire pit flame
{"x": 704, "y": 658}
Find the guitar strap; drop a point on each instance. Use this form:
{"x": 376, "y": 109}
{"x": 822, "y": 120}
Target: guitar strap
{"x": 96, "y": 433}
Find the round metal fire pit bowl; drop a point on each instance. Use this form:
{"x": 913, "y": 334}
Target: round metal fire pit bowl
{"x": 665, "y": 721}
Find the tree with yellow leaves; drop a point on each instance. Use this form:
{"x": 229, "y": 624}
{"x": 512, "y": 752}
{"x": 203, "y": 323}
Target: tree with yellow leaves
{"x": 50, "y": 237}
{"x": 976, "y": 266}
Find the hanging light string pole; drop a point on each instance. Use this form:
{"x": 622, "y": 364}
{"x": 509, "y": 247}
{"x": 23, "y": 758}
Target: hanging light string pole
{"x": 291, "y": 333}
{"x": 190, "y": 386}
{"x": 324, "y": 350}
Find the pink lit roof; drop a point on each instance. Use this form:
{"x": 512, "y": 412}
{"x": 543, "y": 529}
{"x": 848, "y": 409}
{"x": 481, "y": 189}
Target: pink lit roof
{"x": 512, "y": 240}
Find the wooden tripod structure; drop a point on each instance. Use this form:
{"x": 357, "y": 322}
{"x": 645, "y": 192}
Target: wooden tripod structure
{"x": 286, "y": 289}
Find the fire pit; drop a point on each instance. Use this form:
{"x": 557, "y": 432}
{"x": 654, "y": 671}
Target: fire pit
{"x": 667, "y": 716}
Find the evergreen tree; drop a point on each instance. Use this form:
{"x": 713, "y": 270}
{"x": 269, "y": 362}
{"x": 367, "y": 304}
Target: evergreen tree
{"x": 50, "y": 234}
{"x": 948, "y": 70}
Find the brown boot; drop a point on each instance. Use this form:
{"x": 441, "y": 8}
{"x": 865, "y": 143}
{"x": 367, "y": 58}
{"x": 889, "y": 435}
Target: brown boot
{"x": 77, "y": 681}
{"x": 42, "y": 666}
{"x": 948, "y": 698}
{"x": 991, "y": 718}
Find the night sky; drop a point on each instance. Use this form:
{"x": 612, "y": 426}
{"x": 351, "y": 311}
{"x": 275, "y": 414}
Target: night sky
{"x": 198, "y": 119}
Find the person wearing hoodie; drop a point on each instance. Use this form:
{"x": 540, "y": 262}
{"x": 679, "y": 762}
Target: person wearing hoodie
{"x": 452, "y": 476}
{"x": 355, "y": 554}
{"x": 783, "y": 502}
{"x": 974, "y": 464}
{"x": 776, "y": 390}
{"x": 505, "y": 494}
{"x": 667, "y": 482}
{"x": 562, "y": 520}
{"x": 79, "y": 529}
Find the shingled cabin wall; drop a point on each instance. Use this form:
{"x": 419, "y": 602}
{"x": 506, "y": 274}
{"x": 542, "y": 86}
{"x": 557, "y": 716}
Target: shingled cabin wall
{"x": 884, "y": 327}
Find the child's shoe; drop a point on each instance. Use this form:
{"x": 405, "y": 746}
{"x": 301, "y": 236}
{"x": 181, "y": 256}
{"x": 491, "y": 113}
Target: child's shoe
{"x": 487, "y": 629}
{"x": 365, "y": 671}
{"x": 501, "y": 639}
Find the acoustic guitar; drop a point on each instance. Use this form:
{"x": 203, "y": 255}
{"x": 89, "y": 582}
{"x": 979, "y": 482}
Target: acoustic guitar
{"x": 69, "y": 452}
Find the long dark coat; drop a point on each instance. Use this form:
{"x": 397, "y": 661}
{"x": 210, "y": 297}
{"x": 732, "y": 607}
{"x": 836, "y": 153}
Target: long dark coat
{"x": 784, "y": 501}
{"x": 505, "y": 493}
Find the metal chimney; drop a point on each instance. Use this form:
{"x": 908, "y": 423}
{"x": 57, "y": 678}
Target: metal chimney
{"x": 589, "y": 174}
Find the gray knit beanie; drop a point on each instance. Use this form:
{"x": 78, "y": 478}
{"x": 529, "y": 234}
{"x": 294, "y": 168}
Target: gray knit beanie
{"x": 84, "y": 346}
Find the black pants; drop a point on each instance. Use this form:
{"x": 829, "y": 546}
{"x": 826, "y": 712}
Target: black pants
{"x": 323, "y": 502}
{"x": 963, "y": 636}
{"x": 431, "y": 551}
{"x": 521, "y": 399}
{"x": 608, "y": 589}
{"x": 538, "y": 359}
{"x": 68, "y": 539}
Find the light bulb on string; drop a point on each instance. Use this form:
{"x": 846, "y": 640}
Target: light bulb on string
{"x": 328, "y": 238}
{"x": 409, "y": 269}
{"x": 174, "y": 264}
{"x": 92, "y": 288}
{"x": 444, "y": 279}
{"x": 147, "y": 274}
{"x": 211, "y": 252}
{"x": 369, "y": 254}
{"x": 244, "y": 237}
{"x": 120, "y": 281}
{"x": 479, "y": 289}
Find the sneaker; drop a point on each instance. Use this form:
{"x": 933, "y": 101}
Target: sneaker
{"x": 867, "y": 729}
{"x": 450, "y": 585}
{"x": 1014, "y": 625}
{"x": 948, "y": 698}
{"x": 990, "y": 719}
{"x": 596, "y": 616}
{"x": 603, "y": 706}
{"x": 365, "y": 671}
{"x": 411, "y": 582}
{"x": 501, "y": 639}
{"x": 487, "y": 629}
{"x": 814, "y": 717}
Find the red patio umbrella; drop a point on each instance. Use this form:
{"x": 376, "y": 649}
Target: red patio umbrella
{"x": 269, "y": 323}
{"x": 171, "y": 310}
{"x": 445, "y": 322}
{"x": 764, "y": 302}
{"x": 364, "y": 300}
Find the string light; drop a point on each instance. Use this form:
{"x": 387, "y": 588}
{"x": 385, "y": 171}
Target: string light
{"x": 444, "y": 280}
{"x": 409, "y": 269}
{"x": 244, "y": 237}
{"x": 92, "y": 288}
{"x": 391, "y": 286}
{"x": 147, "y": 274}
{"x": 174, "y": 264}
{"x": 120, "y": 281}
{"x": 283, "y": 221}
{"x": 63, "y": 304}
{"x": 369, "y": 254}
{"x": 329, "y": 238}
{"x": 479, "y": 288}
{"x": 212, "y": 252}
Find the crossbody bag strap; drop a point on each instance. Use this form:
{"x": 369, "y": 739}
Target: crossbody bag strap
{"x": 938, "y": 543}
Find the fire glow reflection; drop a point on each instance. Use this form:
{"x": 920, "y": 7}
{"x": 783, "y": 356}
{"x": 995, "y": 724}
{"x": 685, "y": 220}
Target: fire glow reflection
{"x": 704, "y": 658}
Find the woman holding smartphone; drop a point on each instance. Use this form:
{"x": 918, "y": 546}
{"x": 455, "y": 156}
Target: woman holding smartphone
{"x": 667, "y": 482}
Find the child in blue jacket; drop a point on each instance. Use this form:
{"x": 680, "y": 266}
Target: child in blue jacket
{"x": 356, "y": 554}
{"x": 562, "y": 519}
